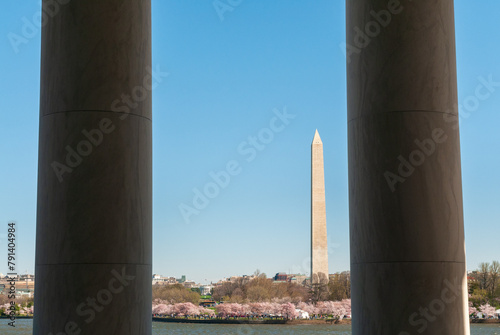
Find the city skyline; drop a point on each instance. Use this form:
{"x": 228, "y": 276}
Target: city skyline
{"x": 238, "y": 95}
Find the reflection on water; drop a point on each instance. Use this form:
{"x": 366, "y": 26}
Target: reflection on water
{"x": 24, "y": 327}
{"x": 164, "y": 329}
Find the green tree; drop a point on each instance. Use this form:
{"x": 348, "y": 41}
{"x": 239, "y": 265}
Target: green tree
{"x": 3, "y": 299}
{"x": 494, "y": 273}
{"x": 224, "y": 290}
{"x": 258, "y": 293}
{"x": 238, "y": 296}
{"x": 319, "y": 287}
{"x": 340, "y": 286}
{"x": 473, "y": 285}
{"x": 483, "y": 275}
{"x": 175, "y": 294}
{"x": 297, "y": 293}
{"x": 479, "y": 297}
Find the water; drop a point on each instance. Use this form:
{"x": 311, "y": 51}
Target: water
{"x": 164, "y": 329}
{"x": 24, "y": 327}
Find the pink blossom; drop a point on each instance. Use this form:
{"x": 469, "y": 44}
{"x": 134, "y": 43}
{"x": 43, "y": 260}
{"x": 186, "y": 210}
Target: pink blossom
{"x": 162, "y": 309}
{"x": 203, "y": 310}
{"x": 309, "y": 308}
{"x": 257, "y": 308}
{"x": 487, "y": 310}
{"x": 274, "y": 309}
{"x": 223, "y": 310}
{"x": 186, "y": 308}
{"x": 288, "y": 311}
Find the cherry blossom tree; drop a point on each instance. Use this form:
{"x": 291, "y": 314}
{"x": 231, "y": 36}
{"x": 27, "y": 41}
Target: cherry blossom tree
{"x": 472, "y": 310}
{"x": 288, "y": 311}
{"x": 26, "y": 310}
{"x": 338, "y": 310}
{"x": 346, "y": 303}
{"x": 275, "y": 309}
{"x": 257, "y": 308}
{"x": 162, "y": 309}
{"x": 186, "y": 309}
{"x": 236, "y": 309}
{"x": 4, "y": 308}
{"x": 309, "y": 308}
{"x": 205, "y": 311}
{"x": 224, "y": 310}
{"x": 487, "y": 310}
{"x": 325, "y": 307}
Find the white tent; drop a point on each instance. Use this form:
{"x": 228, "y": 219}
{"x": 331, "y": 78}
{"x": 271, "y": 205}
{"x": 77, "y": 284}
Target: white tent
{"x": 302, "y": 314}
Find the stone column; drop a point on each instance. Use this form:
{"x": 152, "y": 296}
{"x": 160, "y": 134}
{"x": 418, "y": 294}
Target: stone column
{"x": 93, "y": 245}
{"x": 405, "y": 194}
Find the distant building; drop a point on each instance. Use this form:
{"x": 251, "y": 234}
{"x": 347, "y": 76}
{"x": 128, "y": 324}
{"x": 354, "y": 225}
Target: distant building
{"x": 281, "y": 276}
{"x": 27, "y": 277}
{"x": 24, "y": 292}
{"x": 159, "y": 280}
{"x": 206, "y": 289}
{"x": 298, "y": 279}
{"x": 236, "y": 279}
{"x": 25, "y": 284}
{"x": 343, "y": 274}
{"x": 189, "y": 284}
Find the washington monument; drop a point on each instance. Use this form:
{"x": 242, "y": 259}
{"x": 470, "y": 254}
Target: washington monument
{"x": 319, "y": 247}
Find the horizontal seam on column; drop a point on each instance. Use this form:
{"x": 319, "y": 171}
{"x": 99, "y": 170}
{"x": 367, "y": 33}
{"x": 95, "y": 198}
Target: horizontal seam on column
{"x": 391, "y": 262}
{"x": 96, "y": 110}
{"x": 93, "y": 264}
{"x": 405, "y": 111}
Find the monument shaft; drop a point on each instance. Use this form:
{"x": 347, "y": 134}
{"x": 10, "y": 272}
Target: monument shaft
{"x": 405, "y": 194}
{"x": 94, "y": 214}
{"x": 319, "y": 247}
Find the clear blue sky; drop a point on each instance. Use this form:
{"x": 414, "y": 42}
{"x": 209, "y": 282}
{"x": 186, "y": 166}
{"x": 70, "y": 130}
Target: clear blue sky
{"x": 225, "y": 79}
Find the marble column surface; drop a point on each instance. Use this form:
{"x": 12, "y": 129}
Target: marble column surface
{"x": 405, "y": 191}
{"x": 94, "y": 215}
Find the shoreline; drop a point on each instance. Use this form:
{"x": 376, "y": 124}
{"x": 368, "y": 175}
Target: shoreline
{"x": 489, "y": 321}
{"x": 251, "y": 322}
{"x": 263, "y": 322}
{"x": 220, "y": 321}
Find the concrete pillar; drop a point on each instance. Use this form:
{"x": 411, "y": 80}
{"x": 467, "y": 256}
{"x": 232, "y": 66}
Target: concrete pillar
{"x": 319, "y": 240}
{"x": 93, "y": 246}
{"x": 405, "y": 194}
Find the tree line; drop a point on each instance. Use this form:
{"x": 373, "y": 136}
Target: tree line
{"x": 484, "y": 285}
{"x": 262, "y": 289}
{"x": 335, "y": 309}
